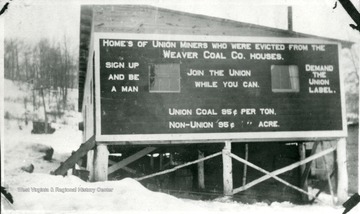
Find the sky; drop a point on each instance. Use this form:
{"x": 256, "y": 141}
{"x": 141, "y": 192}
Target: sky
{"x": 31, "y": 20}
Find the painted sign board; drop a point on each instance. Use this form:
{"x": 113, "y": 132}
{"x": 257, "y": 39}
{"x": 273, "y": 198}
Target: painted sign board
{"x": 182, "y": 88}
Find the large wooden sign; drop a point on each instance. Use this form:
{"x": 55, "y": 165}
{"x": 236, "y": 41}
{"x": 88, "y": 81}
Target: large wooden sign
{"x": 206, "y": 88}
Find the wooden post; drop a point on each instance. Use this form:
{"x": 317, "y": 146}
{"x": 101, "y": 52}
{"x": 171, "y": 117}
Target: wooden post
{"x": 342, "y": 187}
{"x": 245, "y": 166}
{"x": 290, "y": 18}
{"x": 70, "y": 171}
{"x": 201, "y": 174}
{"x": 171, "y": 161}
{"x": 305, "y": 174}
{"x": 328, "y": 176}
{"x": 304, "y": 185}
{"x": 227, "y": 169}
{"x": 101, "y": 161}
{"x": 152, "y": 162}
{"x": 161, "y": 159}
{"x": 90, "y": 164}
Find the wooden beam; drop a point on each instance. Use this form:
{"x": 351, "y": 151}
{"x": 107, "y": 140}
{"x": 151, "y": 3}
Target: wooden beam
{"x": 183, "y": 142}
{"x": 74, "y": 158}
{"x": 125, "y": 168}
{"x": 128, "y": 169}
{"x": 130, "y": 159}
{"x": 342, "y": 188}
{"x": 280, "y": 171}
{"x": 101, "y": 162}
{"x": 178, "y": 167}
{"x": 245, "y": 166}
{"x": 267, "y": 173}
{"x": 227, "y": 169}
{"x": 306, "y": 172}
{"x": 201, "y": 174}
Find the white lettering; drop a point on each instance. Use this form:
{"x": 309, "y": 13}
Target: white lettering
{"x": 241, "y": 46}
{"x": 193, "y": 72}
{"x": 115, "y": 65}
{"x": 202, "y": 84}
{"x": 193, "y": 45}
{"x": 327, "y": 68}
{"x": 240, "y": 73}
{"x": 130, "y": 88}
{"x": 179, "y": 55}
{"x": 269, "y": 47}
{"x": 250, "y": 84}
{"x": 174, "y": 111}
{"x": 268, "y": 124}
{"x": 165, "y": 44}
{"x": 213, "y": 55}
{"x": 200, "y": 111}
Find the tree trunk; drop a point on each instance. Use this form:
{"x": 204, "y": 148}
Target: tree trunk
{"x": 45, "y": 114}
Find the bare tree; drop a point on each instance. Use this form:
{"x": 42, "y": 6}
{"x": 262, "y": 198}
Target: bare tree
{"x": 45, "y": 65}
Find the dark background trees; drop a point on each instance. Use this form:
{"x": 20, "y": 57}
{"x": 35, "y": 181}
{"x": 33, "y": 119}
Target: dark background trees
{"x": 49, "y": 70}
{"x": 45, "y": 66}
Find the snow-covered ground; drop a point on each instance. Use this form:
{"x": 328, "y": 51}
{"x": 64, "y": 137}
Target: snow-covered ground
{"x": 20, "y": 98}
{"x": 40, "y": 192}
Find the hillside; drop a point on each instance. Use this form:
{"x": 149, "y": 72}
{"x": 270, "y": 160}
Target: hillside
{"x": 23, "y": 102}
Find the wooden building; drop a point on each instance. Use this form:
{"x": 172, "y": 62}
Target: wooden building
{"x": 238, "y": 100}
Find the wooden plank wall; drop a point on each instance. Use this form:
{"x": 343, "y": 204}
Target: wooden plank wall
{"x": 135, "y": 19}
{"x": 88, "y": 103}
